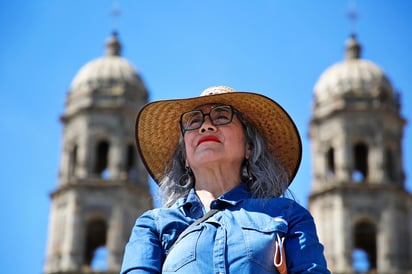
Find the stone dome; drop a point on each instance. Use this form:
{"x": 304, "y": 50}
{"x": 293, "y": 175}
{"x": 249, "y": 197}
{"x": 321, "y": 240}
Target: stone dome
{"x": 106, "y": 81}
{"x": 352, "y": 78}
{"x": 108, "y": 69}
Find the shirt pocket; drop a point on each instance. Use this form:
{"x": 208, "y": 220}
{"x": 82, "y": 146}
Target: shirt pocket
{"x": 183, "y": 252}
{"x": 260, "y": 233}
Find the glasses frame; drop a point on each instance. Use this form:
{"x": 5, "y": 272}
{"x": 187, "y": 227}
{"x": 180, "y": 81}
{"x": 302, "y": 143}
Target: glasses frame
{"x": 184, "y": 129}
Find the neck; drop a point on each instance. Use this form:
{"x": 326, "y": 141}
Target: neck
{"x": 215, "y": 179}
{"x": 210, "y": 185}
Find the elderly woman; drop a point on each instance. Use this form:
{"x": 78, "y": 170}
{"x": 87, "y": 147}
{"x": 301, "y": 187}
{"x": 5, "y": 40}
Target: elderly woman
{"x": 223, "y": 175}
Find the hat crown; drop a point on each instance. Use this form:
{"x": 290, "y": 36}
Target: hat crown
{"x": 217, "y": 90}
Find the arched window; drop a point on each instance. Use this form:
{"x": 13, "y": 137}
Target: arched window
{"x": 73, "y": 161}
{"x": 360, "y": 171}
{"x": 389, "y": 165}
{"x": 102, "y": 159}
{"x": 365, "y": 245}
{"x": 95, "y": 240}
{"x": 130, "y": 157}
{"x": 330, "y": 161}
{"x": 130, "y": 161}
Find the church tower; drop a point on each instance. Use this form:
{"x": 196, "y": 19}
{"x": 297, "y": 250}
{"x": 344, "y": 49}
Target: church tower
{"x": 358, "y": 197}
{"x": 103, "y": 185}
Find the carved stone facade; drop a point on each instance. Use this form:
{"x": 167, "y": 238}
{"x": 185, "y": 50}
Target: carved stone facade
{"x": 358, "y": 197}
{"x": 103, "y": 185}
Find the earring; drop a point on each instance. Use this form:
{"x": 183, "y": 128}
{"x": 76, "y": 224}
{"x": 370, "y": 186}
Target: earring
{"x": 187, "y": 179}
{"x": 246, "y": 171}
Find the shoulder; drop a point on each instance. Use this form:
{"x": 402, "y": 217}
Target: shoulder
{"x": 285, "y": 208}
{"x": 157, "y": 214}
{"x": 273, "y": 205}
{"x": 163, "y": 219}
{"x": 291, "y": 209}
{"x": 290, "y": 206}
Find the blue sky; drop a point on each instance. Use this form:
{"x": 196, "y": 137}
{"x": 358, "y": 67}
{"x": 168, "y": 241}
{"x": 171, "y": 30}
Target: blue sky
{"x": 278, "y": 48}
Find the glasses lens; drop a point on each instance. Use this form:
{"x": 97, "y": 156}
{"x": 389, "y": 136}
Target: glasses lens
{"x": 192, "y": 120}
{"x": 221, "y": 115}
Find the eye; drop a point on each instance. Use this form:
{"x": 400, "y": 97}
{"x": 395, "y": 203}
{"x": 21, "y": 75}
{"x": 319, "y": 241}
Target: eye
{"x": 192, "y": 120}
{"x": 221, "y": 115}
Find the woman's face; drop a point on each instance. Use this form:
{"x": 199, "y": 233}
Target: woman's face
{"x": 210, "y": 144}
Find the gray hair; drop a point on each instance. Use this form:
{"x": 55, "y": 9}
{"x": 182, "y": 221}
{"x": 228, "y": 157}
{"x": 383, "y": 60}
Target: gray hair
{"x": 262, "y": 172}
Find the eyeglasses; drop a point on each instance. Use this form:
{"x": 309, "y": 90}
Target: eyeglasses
{"x": 219, "y": 116}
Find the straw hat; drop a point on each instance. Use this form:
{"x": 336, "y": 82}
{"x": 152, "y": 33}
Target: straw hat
{"x": 158, "y": 131}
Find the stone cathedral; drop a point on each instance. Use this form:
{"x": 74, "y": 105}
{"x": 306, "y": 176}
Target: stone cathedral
{"x": 103, "y": 185}
{"x": 358, "y": 196}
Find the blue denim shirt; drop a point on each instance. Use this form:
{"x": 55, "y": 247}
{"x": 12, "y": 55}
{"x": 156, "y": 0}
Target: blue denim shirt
{"x": 239, "y": 238}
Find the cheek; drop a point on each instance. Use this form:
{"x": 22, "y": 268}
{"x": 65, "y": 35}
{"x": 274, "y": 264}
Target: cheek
{"x": 188, "y": 140}
{"x": 239, "y": 144}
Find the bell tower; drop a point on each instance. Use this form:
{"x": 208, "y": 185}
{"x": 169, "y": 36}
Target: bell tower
{"x": 358, "y": 196}
{"x": 103, "y": 185}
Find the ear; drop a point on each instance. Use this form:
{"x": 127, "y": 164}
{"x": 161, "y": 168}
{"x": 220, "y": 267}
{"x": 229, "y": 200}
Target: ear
{"x": 248, "y": 151}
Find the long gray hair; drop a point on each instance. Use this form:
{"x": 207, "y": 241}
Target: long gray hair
{"x": 262, "y": 172}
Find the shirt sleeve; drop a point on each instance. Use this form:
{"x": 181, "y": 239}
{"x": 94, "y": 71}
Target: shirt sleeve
{"x": 143, "y": 252}
{"x": 304, "y": 252}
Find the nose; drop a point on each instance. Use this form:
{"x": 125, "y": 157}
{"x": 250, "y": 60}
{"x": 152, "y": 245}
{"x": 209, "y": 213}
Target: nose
{"x": 207, "y": 125}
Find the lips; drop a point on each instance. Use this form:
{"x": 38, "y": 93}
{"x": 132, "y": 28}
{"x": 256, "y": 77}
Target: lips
{"x": 208, "y": 139}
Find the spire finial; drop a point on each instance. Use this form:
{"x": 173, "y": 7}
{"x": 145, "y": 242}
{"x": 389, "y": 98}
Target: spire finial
{"x": 113, "y": 46}
{"x": 353, "y": 17}
{"x": 353, "y": 48}
{"x": 115, "y": 13}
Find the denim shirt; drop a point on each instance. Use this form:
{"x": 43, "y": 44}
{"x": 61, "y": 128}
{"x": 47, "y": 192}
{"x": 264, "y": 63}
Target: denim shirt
{"x": 239, "y": 238}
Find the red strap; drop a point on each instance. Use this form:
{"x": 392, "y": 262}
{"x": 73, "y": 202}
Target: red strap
{"x": 280, "y": 258}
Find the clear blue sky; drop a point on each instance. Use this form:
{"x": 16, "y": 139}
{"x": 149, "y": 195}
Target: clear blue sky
{"x": 179, "y": 47}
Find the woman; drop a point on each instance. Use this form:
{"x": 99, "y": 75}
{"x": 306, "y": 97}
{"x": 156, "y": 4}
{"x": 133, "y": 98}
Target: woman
{"x": 231, "y": 162}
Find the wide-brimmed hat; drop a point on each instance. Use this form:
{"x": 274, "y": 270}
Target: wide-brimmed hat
{"x": 158, "y": 132}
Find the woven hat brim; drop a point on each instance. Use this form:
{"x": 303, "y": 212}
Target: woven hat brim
{"x": 157, "y": 129}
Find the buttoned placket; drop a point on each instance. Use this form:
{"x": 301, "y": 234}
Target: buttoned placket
{"x": 219, "y": 250}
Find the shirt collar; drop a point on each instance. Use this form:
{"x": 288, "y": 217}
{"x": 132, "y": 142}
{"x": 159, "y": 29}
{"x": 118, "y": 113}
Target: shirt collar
{"x": 232, "y": 197}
